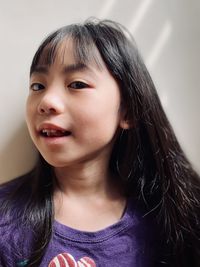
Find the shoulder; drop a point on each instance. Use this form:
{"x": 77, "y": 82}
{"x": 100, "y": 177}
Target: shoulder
{"x": 13, "y": 198}
{"x": 10, "y": 193}
{"x": 7, "y": 187}
{"x": 13, "y": 195}
{"x": 10, "y": 202}
{"x": 10, "y": 187}
{"x": 15, "y": 234}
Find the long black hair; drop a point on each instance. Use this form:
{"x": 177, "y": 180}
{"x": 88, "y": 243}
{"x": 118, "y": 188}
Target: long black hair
{"x": 147, "y": 157}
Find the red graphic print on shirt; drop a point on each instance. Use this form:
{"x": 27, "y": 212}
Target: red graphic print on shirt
{"x": 67, "y": 260}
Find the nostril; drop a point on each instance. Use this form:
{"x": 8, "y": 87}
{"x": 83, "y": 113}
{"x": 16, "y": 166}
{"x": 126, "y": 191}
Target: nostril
{"x": 46, "y": 110}
{"x": 41, "y": 110}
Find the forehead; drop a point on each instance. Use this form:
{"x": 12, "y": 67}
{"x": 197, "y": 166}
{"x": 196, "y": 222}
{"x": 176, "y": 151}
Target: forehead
{"x": 68, "y": 52}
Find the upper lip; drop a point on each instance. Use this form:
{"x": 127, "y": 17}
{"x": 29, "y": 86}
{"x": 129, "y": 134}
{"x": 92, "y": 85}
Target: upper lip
{"x": 50, "y": 126}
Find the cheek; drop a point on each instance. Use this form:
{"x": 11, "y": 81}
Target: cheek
{"x": 30, "y": 111}
{"x": 99, "y": 120}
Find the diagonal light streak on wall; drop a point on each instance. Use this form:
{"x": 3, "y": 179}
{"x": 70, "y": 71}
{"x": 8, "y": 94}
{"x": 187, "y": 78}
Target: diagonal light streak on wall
{"x": 159, "y": 44}
{"x": 139, "y": 15}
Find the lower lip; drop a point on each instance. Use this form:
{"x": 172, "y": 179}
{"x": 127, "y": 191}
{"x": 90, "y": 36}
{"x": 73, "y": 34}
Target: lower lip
{"x": 55, "y": 140}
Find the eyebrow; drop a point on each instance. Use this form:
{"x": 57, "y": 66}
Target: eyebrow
{"x": 44, "y": 69}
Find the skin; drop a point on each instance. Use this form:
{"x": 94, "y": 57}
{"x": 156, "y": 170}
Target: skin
{"x": 85, "y": 101}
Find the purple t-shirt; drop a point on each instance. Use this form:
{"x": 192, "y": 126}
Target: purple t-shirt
{"x": 126, "y": 243}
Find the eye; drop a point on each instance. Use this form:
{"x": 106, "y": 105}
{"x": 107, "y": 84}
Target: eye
{"x": 78, "y": 85}
{"x": 37, "y": 86}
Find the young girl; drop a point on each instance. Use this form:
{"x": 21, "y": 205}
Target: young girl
{"x": 112, "y": 186}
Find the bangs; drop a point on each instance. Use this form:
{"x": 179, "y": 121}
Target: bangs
{"x": 55, "y": 47}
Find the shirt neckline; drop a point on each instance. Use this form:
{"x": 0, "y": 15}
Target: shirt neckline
{"x": 128, "y": 219}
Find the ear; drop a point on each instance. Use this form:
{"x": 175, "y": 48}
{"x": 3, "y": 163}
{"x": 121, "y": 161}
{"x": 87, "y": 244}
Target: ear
{"x": 125, "y": 124}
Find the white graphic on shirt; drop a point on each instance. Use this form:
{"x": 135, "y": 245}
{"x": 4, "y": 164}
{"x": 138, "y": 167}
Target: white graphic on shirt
{"x": 67, "y": 260}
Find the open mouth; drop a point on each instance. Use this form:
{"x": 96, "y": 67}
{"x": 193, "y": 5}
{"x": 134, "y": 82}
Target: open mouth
{"x": 54, "y": 133}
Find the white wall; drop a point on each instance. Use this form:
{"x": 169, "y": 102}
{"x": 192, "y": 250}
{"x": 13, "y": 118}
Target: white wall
{"x": 167, "y": 33}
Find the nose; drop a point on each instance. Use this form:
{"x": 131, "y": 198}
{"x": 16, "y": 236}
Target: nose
{"x": 51, "y": 104}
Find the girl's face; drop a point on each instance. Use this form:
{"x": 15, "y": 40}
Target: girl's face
{"x": 73, "y": 110}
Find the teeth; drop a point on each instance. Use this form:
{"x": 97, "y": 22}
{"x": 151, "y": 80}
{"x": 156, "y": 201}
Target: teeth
{"x": 53, "y": 132}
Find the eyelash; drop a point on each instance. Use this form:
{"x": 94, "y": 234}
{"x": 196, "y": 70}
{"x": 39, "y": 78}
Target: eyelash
{"x": 74, "y": 85}
{"x": 78, "y": 85}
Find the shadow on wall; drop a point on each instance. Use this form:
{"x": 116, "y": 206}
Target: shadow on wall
{"x": 18, "y": 156}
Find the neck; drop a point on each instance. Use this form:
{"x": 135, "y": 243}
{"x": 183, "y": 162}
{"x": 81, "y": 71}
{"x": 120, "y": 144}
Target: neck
{"x": 90, "y": 194}
{"x": 89, "y": 180}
